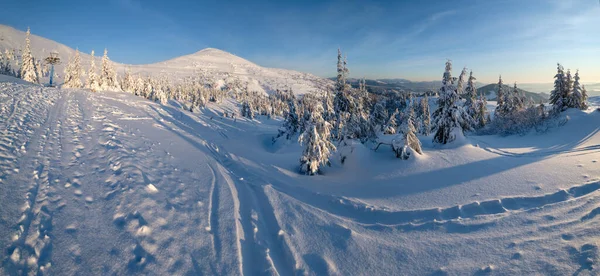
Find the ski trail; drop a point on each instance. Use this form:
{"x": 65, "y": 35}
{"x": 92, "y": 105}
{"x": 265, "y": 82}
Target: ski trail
{"x": 263, "y": 251}
{"x": 30, "y": 251}
{"x": 213, "y": 219}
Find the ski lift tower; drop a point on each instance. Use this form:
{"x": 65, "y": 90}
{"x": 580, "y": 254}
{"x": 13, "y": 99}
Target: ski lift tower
{"x": 52, "y": 60}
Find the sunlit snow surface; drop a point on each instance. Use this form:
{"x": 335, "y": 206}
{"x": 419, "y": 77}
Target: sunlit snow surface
{"x": 109, "y": 183}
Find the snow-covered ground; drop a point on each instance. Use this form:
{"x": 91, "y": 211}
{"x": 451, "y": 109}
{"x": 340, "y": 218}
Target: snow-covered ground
{"x": 109, "y": 183}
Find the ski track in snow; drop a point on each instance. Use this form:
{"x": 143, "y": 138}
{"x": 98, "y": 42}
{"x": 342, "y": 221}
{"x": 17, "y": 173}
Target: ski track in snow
{"x": 106, "y": 183}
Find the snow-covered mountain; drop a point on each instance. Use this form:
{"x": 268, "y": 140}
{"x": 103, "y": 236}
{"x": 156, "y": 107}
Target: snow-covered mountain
{"x": 214, "y": 65}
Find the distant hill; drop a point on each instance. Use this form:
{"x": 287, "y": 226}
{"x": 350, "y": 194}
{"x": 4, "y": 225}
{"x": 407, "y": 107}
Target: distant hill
{"x": 490, "y": 92}
{"x": 379, "y": 86}
{"x": 213, "y": 65}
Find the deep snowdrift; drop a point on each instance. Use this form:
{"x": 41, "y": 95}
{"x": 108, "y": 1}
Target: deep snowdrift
{"x": 109, "y": 183}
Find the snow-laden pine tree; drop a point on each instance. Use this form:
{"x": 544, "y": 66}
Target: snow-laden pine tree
{"x": 425, "y": 116}
{"x": 409, "y": 136}
{"x": 247, "y": 110}
{"x": 291, "y": 123}
{"x": 328, "y": 110}
{"x": 140, "y": 87}
{"x": 73, "y": 72}
{"x": 108, "y": 75}
{"x": 92, "y": 82}
{"x": 449, "y": 119}
{"x": 160, "y": 93}
{"x": 392, "y": 126}
{"x": 500, "y": 96}
{"x": 558, "y": 95}
{"x": 461, "y": 82}
{"x": 568, "y": 88}
{"x": 127, "y": 83}
{"x": 481, "y": 116}
{"x": 378, "y": 117}
{"x": 576, "y": 98}
{"x": 471, "y": 96}
{"x": 518, "y": 99}
{"x": 5, "y": 64}
{"x": 584, "y": 98}
{"x": 28, "y": 70}
{"x": 364, "y": 104}
{"x": 341, "y": 101}
{"x": 317, "y": 147}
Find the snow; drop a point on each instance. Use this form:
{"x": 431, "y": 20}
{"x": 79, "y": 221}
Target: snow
{"x": 110, "y": 183}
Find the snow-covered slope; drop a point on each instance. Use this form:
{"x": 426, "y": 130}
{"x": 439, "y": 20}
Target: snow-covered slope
{"x": 216, "y": 66}
{"x": 109, "y": 183}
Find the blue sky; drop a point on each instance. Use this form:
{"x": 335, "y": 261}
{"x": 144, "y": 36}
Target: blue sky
{"x": 522, "y": 40}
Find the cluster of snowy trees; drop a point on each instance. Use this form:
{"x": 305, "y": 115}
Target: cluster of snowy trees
{"x": 568, "y": 91}
{"x": 106, "y": 80}
{"x": 333, "y": 120}
{"x": 26, "y": 67}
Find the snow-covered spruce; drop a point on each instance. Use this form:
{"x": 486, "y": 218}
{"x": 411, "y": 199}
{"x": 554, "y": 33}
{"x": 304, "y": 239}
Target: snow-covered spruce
{"x": 481, "y": 115}
{"x": 424, "y": 116}
{"x": 408, "y": 136}
{"x": 449, "y": 119}
{"x": 247, "y": 110}
{"x": 578, "y": 96}
{"x": 291, "y": 122}
{"x": 500, "y": 96}
{"x": 92, "y": 82}
{"x": 558, "y": 96}
{"x": 108, "y": 75}
{"x": 470, "y": 104}
{"x": 73, "y": 72}
{"x": 392, "y": 126}
{"x": 378, "y": 117}
{"x": 317, "y": 147}
{"x": 28, "y": 70}
{"x": 341, "y": 101}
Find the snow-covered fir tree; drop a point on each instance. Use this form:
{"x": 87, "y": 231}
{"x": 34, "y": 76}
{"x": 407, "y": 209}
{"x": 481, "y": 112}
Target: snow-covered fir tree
{"x": 461, "y": 82}
{"x": 160, "y": 92}
{"x": 408, "y": 136}
{"x": 392, "y": 126}
{"x": 128, "y": 82}
{"x": 108, "y": 75}
{"x": 471, "y": 96}
{"x": 558, "y": 96}
{"x": 577, "y": 98}
{"x": 500, "y": 96}
{"x": 28, "y": 70}
{"x": 291, "y": 123}
{"x": 425, "y": 116}
{"x": 247, "y": 110}
{"x": 5, "y": 64}
{"x": 584, "y": 98}
{"x": 341, "y": 101}
{"x": 378, "y": 117}
{"x": 328, "y": 110}
{"x": 140, "y": 87}
{"x": 481, "y": 116}
{"x": 92, "y": 80}
{"x": 73, "y": 72}
{"x": 148, "y": 90}
{"x": 317, "y": 147}
{"x": 449, "y": 119}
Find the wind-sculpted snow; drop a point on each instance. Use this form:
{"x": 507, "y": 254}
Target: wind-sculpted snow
{"x": 109, "y": 183}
